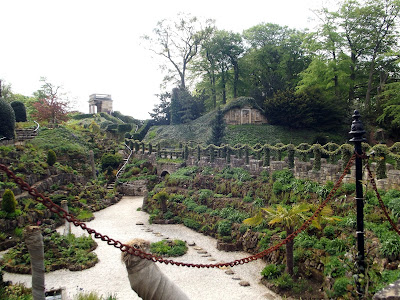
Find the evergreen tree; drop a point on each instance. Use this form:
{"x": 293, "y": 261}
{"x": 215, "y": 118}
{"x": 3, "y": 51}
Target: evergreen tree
{"x": 7, "y": 120}
{"x": 218, "y": 128}
{"x": 19, "y": 110}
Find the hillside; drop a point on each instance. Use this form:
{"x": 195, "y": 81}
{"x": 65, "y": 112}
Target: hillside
{"x": 199, "y": 131}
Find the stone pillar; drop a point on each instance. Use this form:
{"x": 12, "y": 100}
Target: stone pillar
{"x": 34, "y": 242}
{"x": 93, "y": 166}
{"x": 67, "y": 225}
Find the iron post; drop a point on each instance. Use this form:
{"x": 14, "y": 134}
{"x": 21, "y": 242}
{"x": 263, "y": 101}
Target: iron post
{"x": 357, "y": 131}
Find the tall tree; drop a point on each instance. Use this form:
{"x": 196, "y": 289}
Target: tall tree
{"x": 274, "y": 59}
{"x": 161, "y": 112}
{"x": 178, "y": 41}
{"x": 52, "y": 105}
{"x": 370, "y": 31}
{"x": 217, "y": 128}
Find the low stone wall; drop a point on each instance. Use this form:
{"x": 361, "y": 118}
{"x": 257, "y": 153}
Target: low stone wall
{"x": 133, "y": 188}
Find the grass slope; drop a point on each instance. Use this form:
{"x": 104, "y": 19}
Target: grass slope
{"x": 199, "y": 131}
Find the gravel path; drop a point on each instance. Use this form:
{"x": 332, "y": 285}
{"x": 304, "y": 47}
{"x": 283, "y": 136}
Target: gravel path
{"x": 109, "y": 276}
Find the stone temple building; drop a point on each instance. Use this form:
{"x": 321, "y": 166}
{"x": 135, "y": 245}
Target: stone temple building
{"x": 243, "y": 110}
{"x": 100, "y": 103}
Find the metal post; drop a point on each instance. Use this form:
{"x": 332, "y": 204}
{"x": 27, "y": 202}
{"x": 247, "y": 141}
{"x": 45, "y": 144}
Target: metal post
{"x": 357, "y": 131}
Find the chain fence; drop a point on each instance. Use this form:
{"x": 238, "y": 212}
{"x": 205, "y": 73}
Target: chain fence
{"x": 143, "y": 255}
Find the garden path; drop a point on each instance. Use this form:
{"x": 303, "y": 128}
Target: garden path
{"x": 109, "y": 276}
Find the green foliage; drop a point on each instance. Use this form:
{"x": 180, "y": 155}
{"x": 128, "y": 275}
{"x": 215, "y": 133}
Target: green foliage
{"x": 15, "y": 292}
{"x": 9, "y": 204}
{"x": 19, "y": 110}
{"x": 341, "y": 286}
{"x": 334, "y": 267}
{"x": 224, "y": 227}
{"x": 93, "y": 296}
{"x": 51, "y": 157}
{"x": 271, "y": 271}
{"x": 141, "y": 133}
{"x": 284, "y": 281}
{"x": 110, "y": 160}
{"x": 302, "y": 110}
{"x": 7, "y": 120}
{"x": 217, "y": 129}
{"x": 235, "y": 173}
{"x": 193, "y": 224}
{"x": 390, "y": 246}
{"x": 169, "y": 248}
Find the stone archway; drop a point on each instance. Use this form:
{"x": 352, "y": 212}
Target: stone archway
{"x": 164, "y": 173}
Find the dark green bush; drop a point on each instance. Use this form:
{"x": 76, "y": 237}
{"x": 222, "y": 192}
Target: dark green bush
{"x": 7, "y": 120}
{"x": 110, "y": 160}
{"x": 51, "y": 157}
{"x": 124, "y": 127}
{"x": 193, "y": 224}
{"x": 9, "y": 204}
{"x": 82, "y": 116}
{"x": 19, "y": 111}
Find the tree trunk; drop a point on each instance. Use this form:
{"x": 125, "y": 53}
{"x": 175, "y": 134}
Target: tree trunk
{"x": 34, "y": 242}
{"x": 289, "y": 254}
{"x": 146, "y": 279}
{"x": 369, "y": 86}
{"x": 223, "y": 83}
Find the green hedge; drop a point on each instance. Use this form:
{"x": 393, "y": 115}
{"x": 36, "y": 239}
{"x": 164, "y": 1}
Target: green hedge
{"x": 141, "y": 133}
{"x": 19, "y": 110}
{"x": 7, "y": 120}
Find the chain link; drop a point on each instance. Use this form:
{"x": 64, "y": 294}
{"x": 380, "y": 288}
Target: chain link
{"x": 382, "y": 205}
{"x": 143, "y": 255}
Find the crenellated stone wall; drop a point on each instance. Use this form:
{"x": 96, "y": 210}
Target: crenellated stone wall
{"x": 301, "y": 170}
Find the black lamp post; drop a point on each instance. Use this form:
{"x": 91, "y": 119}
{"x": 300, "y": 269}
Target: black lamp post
{"x": 357, "y": 131}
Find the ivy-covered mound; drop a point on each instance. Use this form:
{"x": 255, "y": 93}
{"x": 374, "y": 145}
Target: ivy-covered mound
{"x": 60, "y": 252}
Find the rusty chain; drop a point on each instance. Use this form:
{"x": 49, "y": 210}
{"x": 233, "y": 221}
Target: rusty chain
{"x": 137, "y": 252}
{"x": 373, "y": 183}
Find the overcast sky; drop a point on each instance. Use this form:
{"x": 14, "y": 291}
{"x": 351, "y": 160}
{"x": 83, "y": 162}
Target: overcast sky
{"x": 94, "y": 46}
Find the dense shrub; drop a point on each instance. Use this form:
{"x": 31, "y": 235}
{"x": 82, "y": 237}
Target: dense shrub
{"x": 341, "y": 286}
{"x": 193, "y": 224}
{"x": 271, "y": 271}
{"x": 124, "y": 127}
{"x": 9, "y": 203}
{"x": 110, "y": 160}
{"x": 224, "y": 227}
{"x": 7, "y": 120}
{"x": 51, "y": 157}
{"x": 19, "y": 111}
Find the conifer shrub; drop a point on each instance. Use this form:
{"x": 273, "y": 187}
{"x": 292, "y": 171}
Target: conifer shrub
{"x": 19, "y": 111}
{"x": 51, "y": 157}
{"x": 7, "y": 120}
{"x": 9, "y": 203}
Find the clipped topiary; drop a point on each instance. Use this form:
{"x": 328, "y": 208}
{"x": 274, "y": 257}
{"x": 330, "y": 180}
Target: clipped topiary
{"x": 7, "y": 120}
{"x": 51, "y": 157}
{"x": 9, "y": 203}
{"x": 19, "y": 110}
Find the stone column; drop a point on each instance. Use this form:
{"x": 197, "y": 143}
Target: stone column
{"x": 34, "y": 242}
{"x": 67, "y": 225}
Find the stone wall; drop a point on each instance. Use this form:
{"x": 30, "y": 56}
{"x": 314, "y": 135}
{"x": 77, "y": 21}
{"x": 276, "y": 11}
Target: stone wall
{"x": 134, "y": 188}
{"x": 301, "y": 170}
{"x": 245, "y": 115}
